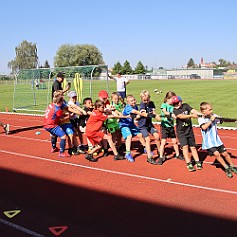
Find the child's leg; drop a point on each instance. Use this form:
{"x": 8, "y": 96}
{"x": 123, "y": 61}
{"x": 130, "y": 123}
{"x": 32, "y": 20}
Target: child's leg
{"x": 194, "y": 153}
{"x": 186, "y": 153}
{"x": 128, "y": 142}
{"x": 175, "y": 145}
{"x": 157, "y": 141}
{"x": 220, "y": 159}
{"x": 227, "y": 158}
{"x": 162, "y": 147}
{"x": 95, "y": 148}
{"x": 111, "y": 144}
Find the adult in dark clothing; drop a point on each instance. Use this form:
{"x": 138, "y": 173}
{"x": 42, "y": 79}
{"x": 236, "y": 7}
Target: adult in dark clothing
{"x": 57, "y": 85}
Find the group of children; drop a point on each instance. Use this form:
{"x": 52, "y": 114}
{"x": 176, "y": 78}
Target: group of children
{"x": 106, "y": 124}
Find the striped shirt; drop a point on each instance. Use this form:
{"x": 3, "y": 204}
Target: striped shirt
{"x": 210, "y": 137}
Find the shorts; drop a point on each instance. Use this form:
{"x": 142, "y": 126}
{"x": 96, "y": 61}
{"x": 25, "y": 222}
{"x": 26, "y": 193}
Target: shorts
{"x": 220, "y": 149}
{"x": 95, "y": 137}
{"x": 113, "y": 127}
{"x": 122, "y": 94}
{"x": 67, "y": 128}
{"x": 127, "y": 131}
{"x": 185, "y": 140}
{"x": 146, "y": 130}
{"x": 168, "y": 132}
{"x": 56, "y": 131}
{"x": 75, "y": 122}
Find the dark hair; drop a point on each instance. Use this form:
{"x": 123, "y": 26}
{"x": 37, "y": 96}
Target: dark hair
{"x": 98, "y": 104}
{"x": 86, "y": 99}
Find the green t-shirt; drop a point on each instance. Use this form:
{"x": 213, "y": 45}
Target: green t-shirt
{"x": 167, "y": 122}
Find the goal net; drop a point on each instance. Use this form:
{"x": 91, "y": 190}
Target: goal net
{"x": 33, "y": 87}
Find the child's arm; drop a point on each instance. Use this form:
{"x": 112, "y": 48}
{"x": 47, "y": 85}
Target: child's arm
{"x": 76, "y": 109}
{"x": 168, "y": 114}
{"x": 206, "y": 125}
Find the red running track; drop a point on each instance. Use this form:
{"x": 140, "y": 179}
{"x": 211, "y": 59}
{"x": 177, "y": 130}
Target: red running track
{"x": 109, "y": 198}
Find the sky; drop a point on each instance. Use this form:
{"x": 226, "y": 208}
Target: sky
{"x": 159, "y": 33}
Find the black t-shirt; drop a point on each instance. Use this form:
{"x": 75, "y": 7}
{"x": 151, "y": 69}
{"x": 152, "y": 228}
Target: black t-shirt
{"x": 56, "y": 86}
{"x": 143, "y": 121}
{"x": 83, "y": 118}
{"x": 183, "y": 126}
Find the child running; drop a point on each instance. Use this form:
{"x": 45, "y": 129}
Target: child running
{"x": 211, "y": 140}
{"x": 146, "y": 126}
{"x": 167, "y": 127}
{"x": 184, "y": 112}
{"x": 96, "y": 135}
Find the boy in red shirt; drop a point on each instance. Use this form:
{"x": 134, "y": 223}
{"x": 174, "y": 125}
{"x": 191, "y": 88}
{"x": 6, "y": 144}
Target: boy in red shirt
{"x": 52, "y": 117}
{"x": 96, "y": 135}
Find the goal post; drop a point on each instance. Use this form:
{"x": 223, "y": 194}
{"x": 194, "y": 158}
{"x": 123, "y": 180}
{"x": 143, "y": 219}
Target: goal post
{"x": 33, "y": 87}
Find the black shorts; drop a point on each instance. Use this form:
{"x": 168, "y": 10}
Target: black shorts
{"x": 167, "y": 133}
{"x": 146, "y": 130}
{"x": 187, "y": 140}
{"x": 75, "y": 122}
{"x": 220, "y": 149}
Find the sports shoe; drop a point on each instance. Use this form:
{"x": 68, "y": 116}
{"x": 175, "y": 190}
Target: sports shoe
{"x": 90, "y": 158}
{"x": 151, "y": 161}
{"x": 161, "y": 160}
{"x": 80, "y": 151}
{"x": 190, "y": 167}
{"x": 129, "y": 157}
{"x": 228, "y": 172}
{"x": 6, "y": 128}
{"x": 233, "y": 169}
{"x": 75, "y": 151}
{"x": 179, "y": 157}
{"x": 53, "y": 150}
{"x": 63, "y": 155}
{"x": 119, "y": 157}
{"x": 199, "y": 165}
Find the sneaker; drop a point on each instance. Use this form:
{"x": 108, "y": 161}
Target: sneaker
{"x": 75, "y": 151}
{"x": 63, "y": 155}
{"x": 70, "y": 151}
{"x": 190, "y": 167}
{"x": 179, "y": 157}
{"x": 119, "y": 157}
{"x": 161, "y": 160}
{"x": 233, "y": 169}
{"x": 151, "y": 161}
{"x": 228, "y": 172}
{"x": 53, "y": 150}
{"x": 90, "y": 158}
{"x": 129, "y": 157}
{"x": 80, "y": 151}
{"x": 199, "y": 165}
{"x": 6, "y": 128}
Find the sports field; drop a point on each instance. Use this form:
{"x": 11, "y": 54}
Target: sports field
{"x": 221, "y": 93}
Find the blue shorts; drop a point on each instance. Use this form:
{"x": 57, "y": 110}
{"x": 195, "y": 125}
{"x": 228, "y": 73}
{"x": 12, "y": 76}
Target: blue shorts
{"x": 132, "y": 130}
{"x": 56, "y": 131}
{"x": 122, "y": 94}
{"x": 67, "y": 128}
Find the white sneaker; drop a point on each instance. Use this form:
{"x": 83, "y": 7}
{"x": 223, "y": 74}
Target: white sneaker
{"x": 7, "y": 128}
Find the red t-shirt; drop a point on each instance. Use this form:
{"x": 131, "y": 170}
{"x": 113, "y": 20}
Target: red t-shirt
{"x": 52, "y": 115}
{"x": 95, "y": 121}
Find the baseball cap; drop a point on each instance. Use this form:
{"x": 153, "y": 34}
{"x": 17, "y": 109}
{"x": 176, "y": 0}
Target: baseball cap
{"x": 60, "y": 74}
{"x": 72, "y": 94}
{"x": 176, "y": 99}
{"x": 103, "y": 94}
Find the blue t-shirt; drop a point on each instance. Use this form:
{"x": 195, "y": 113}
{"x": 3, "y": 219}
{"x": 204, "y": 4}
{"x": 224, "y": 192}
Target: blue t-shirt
{"x": 126, "y": 122}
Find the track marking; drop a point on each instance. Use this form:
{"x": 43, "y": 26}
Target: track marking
{"x": 123, "y": 173}
{"x": 21, "y": 228}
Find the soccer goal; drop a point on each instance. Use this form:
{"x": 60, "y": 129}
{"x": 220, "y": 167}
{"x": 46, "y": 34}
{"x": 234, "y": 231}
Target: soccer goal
{"x": 33, "y": 87}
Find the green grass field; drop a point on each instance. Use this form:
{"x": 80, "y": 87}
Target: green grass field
{"x": 220, "y": 93}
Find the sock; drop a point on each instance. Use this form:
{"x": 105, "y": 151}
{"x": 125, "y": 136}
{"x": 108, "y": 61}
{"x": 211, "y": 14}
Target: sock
{"x": 127, "y": 152}
{"x": 53, "y": 141}
{"x": 62, "y": 145}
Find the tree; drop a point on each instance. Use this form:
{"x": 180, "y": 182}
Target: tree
{"x": 140, "y": 69}
{"x": 117, "y": 68}
{"x": 191, "y": 63}
{"x": 77, "y": 55}
{"x": 26, "y": 57}
{"x": 46, "y": 64}
{"x": 127, "y": 69}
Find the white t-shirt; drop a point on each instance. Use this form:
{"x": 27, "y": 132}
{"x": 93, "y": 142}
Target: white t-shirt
{"x": 74, "y": 116}
{"x": 121, "y": 83}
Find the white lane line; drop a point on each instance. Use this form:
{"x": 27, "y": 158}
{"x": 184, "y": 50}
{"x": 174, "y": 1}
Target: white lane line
{"x": 20, "y": 228}
{"x": 124, "y": 174}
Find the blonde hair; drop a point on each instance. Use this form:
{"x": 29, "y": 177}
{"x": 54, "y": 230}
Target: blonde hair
{"x": 145, "y": 93}
{"x": 57, "y": 99}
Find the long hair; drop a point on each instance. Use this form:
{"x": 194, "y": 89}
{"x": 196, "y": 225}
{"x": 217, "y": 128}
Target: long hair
{"x": 169, "y": 95}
